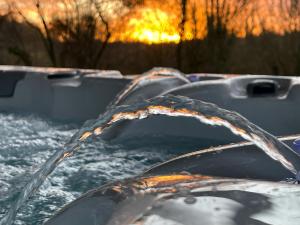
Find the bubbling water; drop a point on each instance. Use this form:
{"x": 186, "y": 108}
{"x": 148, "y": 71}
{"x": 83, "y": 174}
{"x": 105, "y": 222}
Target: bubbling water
{"x": 172, "y": 106}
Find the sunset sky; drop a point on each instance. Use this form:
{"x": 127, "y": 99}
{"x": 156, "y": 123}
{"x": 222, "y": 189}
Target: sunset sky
{"x": 157, "y": 21}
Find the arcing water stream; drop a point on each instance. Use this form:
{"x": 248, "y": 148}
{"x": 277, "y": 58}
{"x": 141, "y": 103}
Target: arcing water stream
{"x": 155, "y": 73}
{"x": 170, "y": 106}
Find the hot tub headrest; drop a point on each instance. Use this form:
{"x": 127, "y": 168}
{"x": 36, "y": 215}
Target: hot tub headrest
{"x": 8, "y": 81}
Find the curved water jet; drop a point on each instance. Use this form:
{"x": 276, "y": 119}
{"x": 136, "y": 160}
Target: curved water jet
{"x": 152, "y": 75}
{"x": 175, "y": 106}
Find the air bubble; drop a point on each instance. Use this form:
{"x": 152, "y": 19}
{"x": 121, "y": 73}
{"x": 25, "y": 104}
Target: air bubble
{"x": 190, "y": 200}
{"x": 185, "y": 173}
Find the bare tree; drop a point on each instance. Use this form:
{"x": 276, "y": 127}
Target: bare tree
{"x": 220, "y": 13}
{"x": 11, "y": 38}
{"x": 83, "y": 34}
{"x": 43, "y": 31}
{"x": 290, "y": 12}
{"x": 181, "y": 28}
{"x": 47, "y": 38}
{"x": 76, "y": 36}
{"x": 219, "y": 16}
{"x": 194, "y": 20}
{"x": 107, "y": 33}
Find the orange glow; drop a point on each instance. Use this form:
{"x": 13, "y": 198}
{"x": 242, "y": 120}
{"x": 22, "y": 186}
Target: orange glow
{"x": 164, "y": 180}
{"x": 32, "y": 15}
{"x": 152, "y": 26}
{"x": 85, "y": 136}
{"x": 155, "y": 22}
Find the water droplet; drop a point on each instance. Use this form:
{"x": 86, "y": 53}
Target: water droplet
{"x": 185, "y": 173}
{"x": 190, "y": 200}
{"x": 296, "y": 144}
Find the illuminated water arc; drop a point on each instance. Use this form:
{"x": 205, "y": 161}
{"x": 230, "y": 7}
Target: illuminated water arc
{"x": 211, "y": 115}
{"x": 152, "y": 74}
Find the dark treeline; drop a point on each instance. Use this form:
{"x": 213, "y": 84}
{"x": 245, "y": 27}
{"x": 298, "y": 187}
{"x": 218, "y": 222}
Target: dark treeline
{"x": 74, "y": 43}
{"x": 266, "y": 54}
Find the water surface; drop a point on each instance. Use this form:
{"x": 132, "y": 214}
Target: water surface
{"x": 26, "y": 141}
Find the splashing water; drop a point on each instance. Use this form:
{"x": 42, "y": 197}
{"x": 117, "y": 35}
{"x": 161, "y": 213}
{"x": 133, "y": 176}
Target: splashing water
{"x": 27, "y": 141}
{"x": 155, "y": 73}
{"x": 171, "y": 106}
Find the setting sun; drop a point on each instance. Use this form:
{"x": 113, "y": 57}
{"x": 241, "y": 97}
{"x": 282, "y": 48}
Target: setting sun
{"x": 153, "y": 36}
{"x": 151, "y": 26}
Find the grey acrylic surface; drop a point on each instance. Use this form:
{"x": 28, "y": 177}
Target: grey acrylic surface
{"x": 73, "y": 98}
{"x": 8, "y": 82}
{"x": 237, "y": 162}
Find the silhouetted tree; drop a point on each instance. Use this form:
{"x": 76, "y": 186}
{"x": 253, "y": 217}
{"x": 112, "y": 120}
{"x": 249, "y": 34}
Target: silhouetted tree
{"x": 181, "y": 28}
{"x": 43, "y": 30}
{"x": 11, "y": 38}
{"x": 76, "y": 38}
{"x": 290, "y": 11}
{"x": 219, "y": 14}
